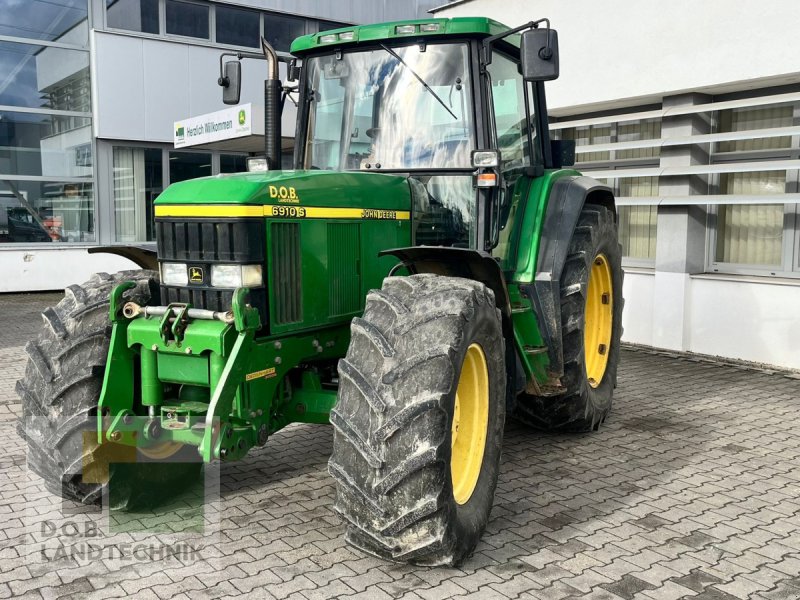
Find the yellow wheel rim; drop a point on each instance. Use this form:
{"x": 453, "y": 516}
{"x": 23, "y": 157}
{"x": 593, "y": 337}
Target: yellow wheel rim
{"x": 598, "y": 320}
{"x": 470, "y": 423}
{"x": 161, "y": 451}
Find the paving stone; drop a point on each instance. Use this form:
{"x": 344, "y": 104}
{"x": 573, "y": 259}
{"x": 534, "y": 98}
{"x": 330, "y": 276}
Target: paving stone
{"x": 690, "y": 487}
{"x": 627, "y": 587}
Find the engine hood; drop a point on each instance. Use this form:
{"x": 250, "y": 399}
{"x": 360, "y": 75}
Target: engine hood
{"x": 300, "y": 188}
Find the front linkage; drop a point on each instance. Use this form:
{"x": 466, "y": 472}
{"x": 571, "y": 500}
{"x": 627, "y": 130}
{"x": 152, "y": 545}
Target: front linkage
{"x": 204, "y": 380}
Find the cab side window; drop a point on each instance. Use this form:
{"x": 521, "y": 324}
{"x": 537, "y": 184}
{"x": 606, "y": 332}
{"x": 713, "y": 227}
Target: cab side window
{"x": 511, "y": 120}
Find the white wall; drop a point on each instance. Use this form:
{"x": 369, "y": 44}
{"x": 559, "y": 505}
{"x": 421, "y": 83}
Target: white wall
{"x": 637, "y": 316}
{"x": 54, "y": 268}
{"x": 745, "y": 318}
{"x": 753, "y": 320}
{"x": 614, "y": 51}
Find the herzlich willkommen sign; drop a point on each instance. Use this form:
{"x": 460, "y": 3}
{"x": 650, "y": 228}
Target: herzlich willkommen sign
{"x": 218, "y": 126}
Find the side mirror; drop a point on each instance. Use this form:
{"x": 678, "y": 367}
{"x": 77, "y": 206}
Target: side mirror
{"x": 293, "y": 71}
{"x": 231, "y": 82}
{"x": 539, "y": 55}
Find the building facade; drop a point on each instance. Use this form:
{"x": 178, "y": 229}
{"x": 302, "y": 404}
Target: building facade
{"x": 89, "y": 92}
{"x": 690, "y": 111}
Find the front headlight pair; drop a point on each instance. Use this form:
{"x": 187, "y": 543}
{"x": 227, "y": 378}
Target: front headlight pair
{"x": 223, "y": 276}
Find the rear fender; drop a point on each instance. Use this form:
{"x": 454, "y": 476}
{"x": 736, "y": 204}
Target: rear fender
{"x": 565, "y": 203}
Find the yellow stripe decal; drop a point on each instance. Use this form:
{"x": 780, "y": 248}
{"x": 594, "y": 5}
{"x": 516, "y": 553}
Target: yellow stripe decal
{"x": 280, "y": 212}
{"x": 195, "y": 210}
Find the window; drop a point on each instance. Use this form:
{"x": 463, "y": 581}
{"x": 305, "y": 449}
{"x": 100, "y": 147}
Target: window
{"x": 589, "y": 136}
{"x": 755, "y": 118}
{"x": 45, "y": 77}
{"x": 46, "y": 162}
{"x": 635, "y": 131}
{"x": 751, "y": 234}
{"x": 52, "y": 211}
{"x": 358, "y": 120}
{"x": 138, "y": 180}
{"x": 328, "y": 25}
{"x": 233, "y": 163}
{"x": 50, "y": 145}
{"x": 237, "y": 26}
{"x": 637, "y": 231}
{"x": 637, "y": 223}
{"x": 511, "y": 119}
{"x": 187, "y": 19}
{"x": 281, "y": 30}
{"x": 188, "y": 165}
{"x": 47, "y": 20}
{"x": 133, "y": 15}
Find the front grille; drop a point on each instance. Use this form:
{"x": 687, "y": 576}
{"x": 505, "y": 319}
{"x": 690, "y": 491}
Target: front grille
{"x": 202, "y": 243}
{"x": 287, "y": 273}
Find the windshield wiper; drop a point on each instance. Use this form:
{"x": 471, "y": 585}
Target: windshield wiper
{"x": 421, "y": 80}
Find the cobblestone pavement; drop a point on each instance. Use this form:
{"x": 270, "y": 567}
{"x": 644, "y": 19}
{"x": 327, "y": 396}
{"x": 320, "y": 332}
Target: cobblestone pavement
{"x": 690, "y": 490}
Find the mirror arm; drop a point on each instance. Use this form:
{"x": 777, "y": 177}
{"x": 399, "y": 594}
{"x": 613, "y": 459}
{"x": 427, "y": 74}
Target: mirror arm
{"x": 487, "y": 42}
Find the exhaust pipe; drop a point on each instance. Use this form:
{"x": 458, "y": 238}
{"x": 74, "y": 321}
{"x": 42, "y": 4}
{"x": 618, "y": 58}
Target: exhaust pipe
{"x": 272, "y": 108}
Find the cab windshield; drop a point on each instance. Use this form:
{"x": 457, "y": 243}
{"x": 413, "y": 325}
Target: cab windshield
{"x": 400, "y": 108}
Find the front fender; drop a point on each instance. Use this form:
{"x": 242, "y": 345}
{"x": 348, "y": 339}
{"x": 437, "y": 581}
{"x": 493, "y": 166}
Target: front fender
{"x": 144, "y": 255}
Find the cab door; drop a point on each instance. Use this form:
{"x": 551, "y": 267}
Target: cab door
{"x": 514, "y": 135}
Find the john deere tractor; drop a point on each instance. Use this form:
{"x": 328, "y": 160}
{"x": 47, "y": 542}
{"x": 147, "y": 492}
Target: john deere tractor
{"x": 428, "y": 268}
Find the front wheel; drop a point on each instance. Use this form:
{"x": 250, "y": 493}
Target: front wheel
{"x": 418, "y": 424}
{"x": 60, "y": 392}
{"x": 591, "y": 319}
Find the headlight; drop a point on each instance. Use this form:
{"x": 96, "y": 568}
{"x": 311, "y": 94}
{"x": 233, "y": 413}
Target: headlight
{"x": 233, "y": 276}
{"x": 174, "y": 274}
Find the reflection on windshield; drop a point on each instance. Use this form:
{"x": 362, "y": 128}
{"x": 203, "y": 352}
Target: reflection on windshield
{"x": 391, "y": 108}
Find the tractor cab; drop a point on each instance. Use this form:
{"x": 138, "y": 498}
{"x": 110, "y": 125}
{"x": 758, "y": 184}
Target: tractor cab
{"x": 443, "y": 102}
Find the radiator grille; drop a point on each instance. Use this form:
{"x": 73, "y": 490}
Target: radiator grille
{"x": 344, "y": 287}
{"x": 287, "y": 273}
{"x": 203, "y": 243}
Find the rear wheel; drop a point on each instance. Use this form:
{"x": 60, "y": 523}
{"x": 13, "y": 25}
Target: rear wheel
{"x": 60, "y": 391}
{"x": 418, "y": 424}
{"x": 591, "y": 318}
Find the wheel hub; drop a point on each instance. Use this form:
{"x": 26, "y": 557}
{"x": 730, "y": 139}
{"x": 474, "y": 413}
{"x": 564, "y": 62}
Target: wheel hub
{"x": 598, "y": 320}
{"x": 470, "y": 423}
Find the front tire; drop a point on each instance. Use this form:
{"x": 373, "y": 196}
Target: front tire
{"x": 591, "y": 318}
{"x": 418, "y": 423}
{"x": 60, "y": 392}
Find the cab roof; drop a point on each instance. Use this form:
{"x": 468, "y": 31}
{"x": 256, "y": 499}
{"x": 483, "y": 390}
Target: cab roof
{"x": 398, "y": 30}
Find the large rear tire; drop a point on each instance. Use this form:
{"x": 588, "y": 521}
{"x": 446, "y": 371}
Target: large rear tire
{"x": 418, "y": 424}
{"x": 60, "y": 392}
{"x": 591, "y": 317}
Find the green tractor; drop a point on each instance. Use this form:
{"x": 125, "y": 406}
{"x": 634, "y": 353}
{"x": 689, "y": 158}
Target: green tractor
{"x": 428, "y": 268}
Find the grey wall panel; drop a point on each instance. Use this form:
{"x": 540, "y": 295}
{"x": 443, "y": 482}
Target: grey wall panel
{"x": 166, "y": 91}
{"x": 119, "y": 81}
{"x": 145, "y": 85}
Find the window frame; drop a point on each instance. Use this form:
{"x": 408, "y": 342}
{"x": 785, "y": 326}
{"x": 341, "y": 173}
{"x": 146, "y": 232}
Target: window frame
{"x": 790, "y": 243}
